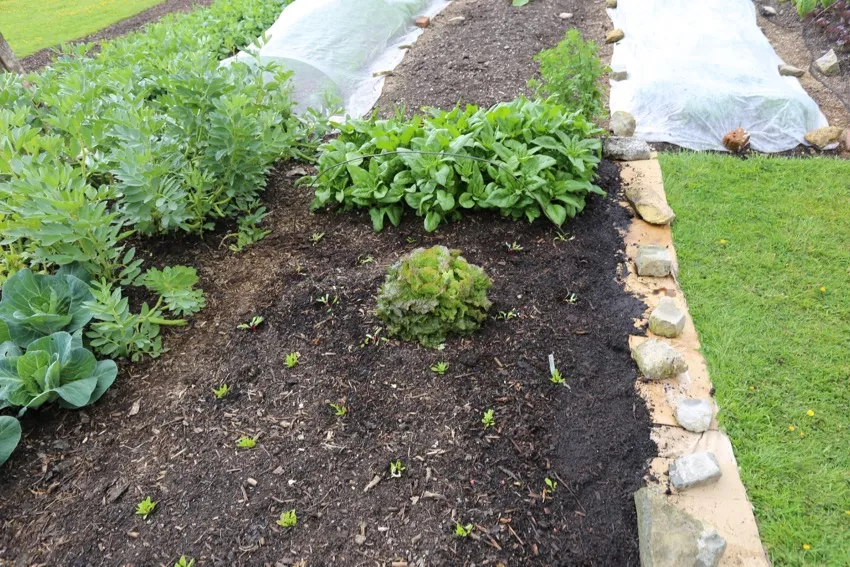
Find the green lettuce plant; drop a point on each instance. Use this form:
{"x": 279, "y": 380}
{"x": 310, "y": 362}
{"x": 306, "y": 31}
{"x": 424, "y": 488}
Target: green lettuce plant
{"x": 431, "y": 293}
{"x": 37, "y": 305}
{"x": 54, "y": 368}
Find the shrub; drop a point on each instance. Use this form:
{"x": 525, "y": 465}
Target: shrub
{"x": 571, "y": 72}
{"x": 522, "y": 158}
{"x": 432, "y": 292}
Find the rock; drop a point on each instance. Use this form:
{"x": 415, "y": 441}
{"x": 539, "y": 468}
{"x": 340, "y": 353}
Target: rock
{"x": 666, "y": 319}
{"x": 828, "y": 64}
{"x": 422, "y": 22}
{"x": 360, "y": 539}
{"x": 658, "y": 361}
{"x": 695, "y": 415}
{"x": 653, "y": 261}
{"x": 696, "y": 469}
{"x": 625, "y": 149}
{"x": 565, "y": 15}
{"x": 768, "y": 10}
{"x": 622, "y": 124}
{"x": 619, "y": 72}
{"x": 614, "y": 36}
{"x": 650, "y": 205}
{"x": 611, "y": 3}
{"x": 845, "y": 140}
{"x": 790, "y": 71}
{"x": 823, "y": 137}
{"x": 737, "y": 140}
{"x": 669, "y": 537}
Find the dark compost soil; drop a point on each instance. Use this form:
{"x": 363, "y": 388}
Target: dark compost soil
{"x": 44, "y": 57}
{"x": 71, "y": 488}
{"x": 73, "y": 484}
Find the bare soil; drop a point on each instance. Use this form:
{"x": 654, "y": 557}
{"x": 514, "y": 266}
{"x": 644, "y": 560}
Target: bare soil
{"x": 45, "y": 56}
{"x": 71, "y": 488}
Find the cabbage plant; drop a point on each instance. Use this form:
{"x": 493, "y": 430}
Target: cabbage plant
{"x": 37, "y": 305}
{"x": 10, "y": 434}
{"x": 56, "y": 367}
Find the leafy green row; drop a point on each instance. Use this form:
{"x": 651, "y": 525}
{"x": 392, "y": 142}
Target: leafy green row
{"x": 523, "y": 158}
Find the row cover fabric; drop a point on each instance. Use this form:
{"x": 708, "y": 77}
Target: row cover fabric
{"x": 340, "y": 49}
{"x": 697, "y": 70}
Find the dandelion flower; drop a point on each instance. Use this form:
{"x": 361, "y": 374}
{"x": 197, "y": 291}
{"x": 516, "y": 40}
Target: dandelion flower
{"x": 810, "y": 413}
{"x": 791, "y": 428}
{"x": 724, "y": 242}
{"x": 806, "y": 547}
{"x": 802, "y": 434}
{"x": 823, "y": 289}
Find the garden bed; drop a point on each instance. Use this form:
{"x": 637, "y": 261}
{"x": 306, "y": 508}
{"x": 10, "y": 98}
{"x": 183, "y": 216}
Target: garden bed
{"x": 160, "y": 432}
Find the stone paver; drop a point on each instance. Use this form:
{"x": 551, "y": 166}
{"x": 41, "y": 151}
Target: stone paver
{"x": 696, "y": 469}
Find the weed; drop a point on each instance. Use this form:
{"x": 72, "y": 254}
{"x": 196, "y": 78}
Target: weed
{"x": 556, "y": 378}
{"x": 317, "y": 237}
{"x": 340, "y": 410}
{"x": 551, "y": 485}
{"x": 185, "y": 562}
{"x": 252, "y": 325}
{"x": 246, "y": 442}
{"x": 288, "y": 519}
{"x": 572, "y": 299}
{"x": 397, "y": 468}
{"x": 561, "y": 237}
{"x": 292, "y": 359}
{"x": 513, "y": 246}
{"x": 221, "y": 391}
{"x": 507, "y": 315}
{"x": 374, "y": 338}
{"x": 328, "y": 301}
{"x": 440, "y": 368}
{"x": 488, "y": 419}
{"x": 145, "y": 508}
{"x": 463, "y": 531}
{"x": 367, "y": 260}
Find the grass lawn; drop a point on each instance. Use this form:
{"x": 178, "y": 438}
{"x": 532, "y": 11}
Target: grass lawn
{"x": 30, "y": 25}
{"x": 764, "y": 253}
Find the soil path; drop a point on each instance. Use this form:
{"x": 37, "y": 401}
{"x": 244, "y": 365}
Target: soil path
{"x": 43, "y": 57}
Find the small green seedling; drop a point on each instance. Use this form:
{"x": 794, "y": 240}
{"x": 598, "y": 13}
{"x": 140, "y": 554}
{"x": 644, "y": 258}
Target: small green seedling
{"x": 488, "y": 420}
{"x": 507, "y": 315}
{"x": 440, "y": 368}
{"x": 551, "y": 485}
{"x": 246, "y": 442}
{"x": 288, "y": 519}
{"x": 366, "y": 260}
{"x": 252, "y": 324}
{"x": 185, "y": 562}
{"x": 397, "y": 468}
{"x": 221, "y": 391}
{"x": 572, "y": 299}
{"x": 374, "y": 339}
{"x": 561, "y": 237}
{"x": 317, "y": 237}
{"x": 339, "y": 409}
{"x": 463, "y": 531}
{"x": 556, "y": 378}
{"x": 513, "y": 246}
{"x": 410, "y": 240}
{"x": 328, "y": 301}
{"x": 292, "y": 359}
{"x": 145, "y": 508}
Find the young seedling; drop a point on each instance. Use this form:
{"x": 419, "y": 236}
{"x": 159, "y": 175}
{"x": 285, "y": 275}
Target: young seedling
{"x": 463, "y": 531}
{"x": 328, "y": 301}
{"x": 513, "y": 246}
{"x": 288, "y": 519}
{"x": 551, "y": 485}
{"x": 488, "y": 420}
{"x": 366, "y": 260}
{"x": 185, "y": 562}
{"x": 556, "y": 378}
{"x": 561, "y": 237}
{"x": 572, "y": 299}
{"x": 252, "y": 325}
{"x": 507, "y": 315}
{"x": 292, "y": 359}
{"x": 339, "y": 409}
{"x": 440, "y": 368}
{"x": 410, "y": 240}
{"x": 317, "y": 237}
{"x": 246, "y": 442}
{"x": 145, "y": 508}
{"x": 221, "y": 391}
{"x": 374, "y": 339}
{"x": 397, "y": 468}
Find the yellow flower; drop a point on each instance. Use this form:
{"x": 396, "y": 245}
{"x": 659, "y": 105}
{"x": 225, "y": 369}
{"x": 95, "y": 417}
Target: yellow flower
{"x": 806, "y": 546}
{"x": 802, "y": 434}
{"x": 752, "y": 387}
{"x": 823, "y": 289}
{"x": 810, "y": 413}
{"x": 723, "y": 242}
{"x": 791, "y": 428}
{"x": 847, "y": 512}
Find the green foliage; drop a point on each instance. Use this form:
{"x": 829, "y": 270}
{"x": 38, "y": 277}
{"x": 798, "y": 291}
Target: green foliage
{"x": 522, "y": 158}
{"x": 251, "y": 325}
{"x": 806, "y": 7}
{"x": 145, "y": 508}
{"x": 249, "y": 231}
{"x": 432, "y": 292}
{"x": 246, "y": 442}
{"x": 463, "y": 531}
{"x": 292, "y": 359}
{"x": 288, "y": 519}
{"x": 174, "y": 285}
{"x": 571, "y": 72}
{"x": 488, "y": 419}
{"x": 221, "y": 391}
{"x": 551, "y": 485}
{"x": 556, "y": 378}
{"x": 37, "y": 305}
{"x": 10, "y": 435}
{"x": 185, "y": 562}
{"x": 56, "y": 367}
{"x": 440, "y": 368}
{"x": 340, "y": 410}
{"x": 397, "y": 468}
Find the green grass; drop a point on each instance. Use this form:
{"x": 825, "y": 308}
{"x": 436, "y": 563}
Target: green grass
{"x": 30, "y": 25}
{"x": 764, "y": 253}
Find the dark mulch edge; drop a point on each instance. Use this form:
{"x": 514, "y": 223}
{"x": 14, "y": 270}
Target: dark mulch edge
{"x": 44, "y": 57}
